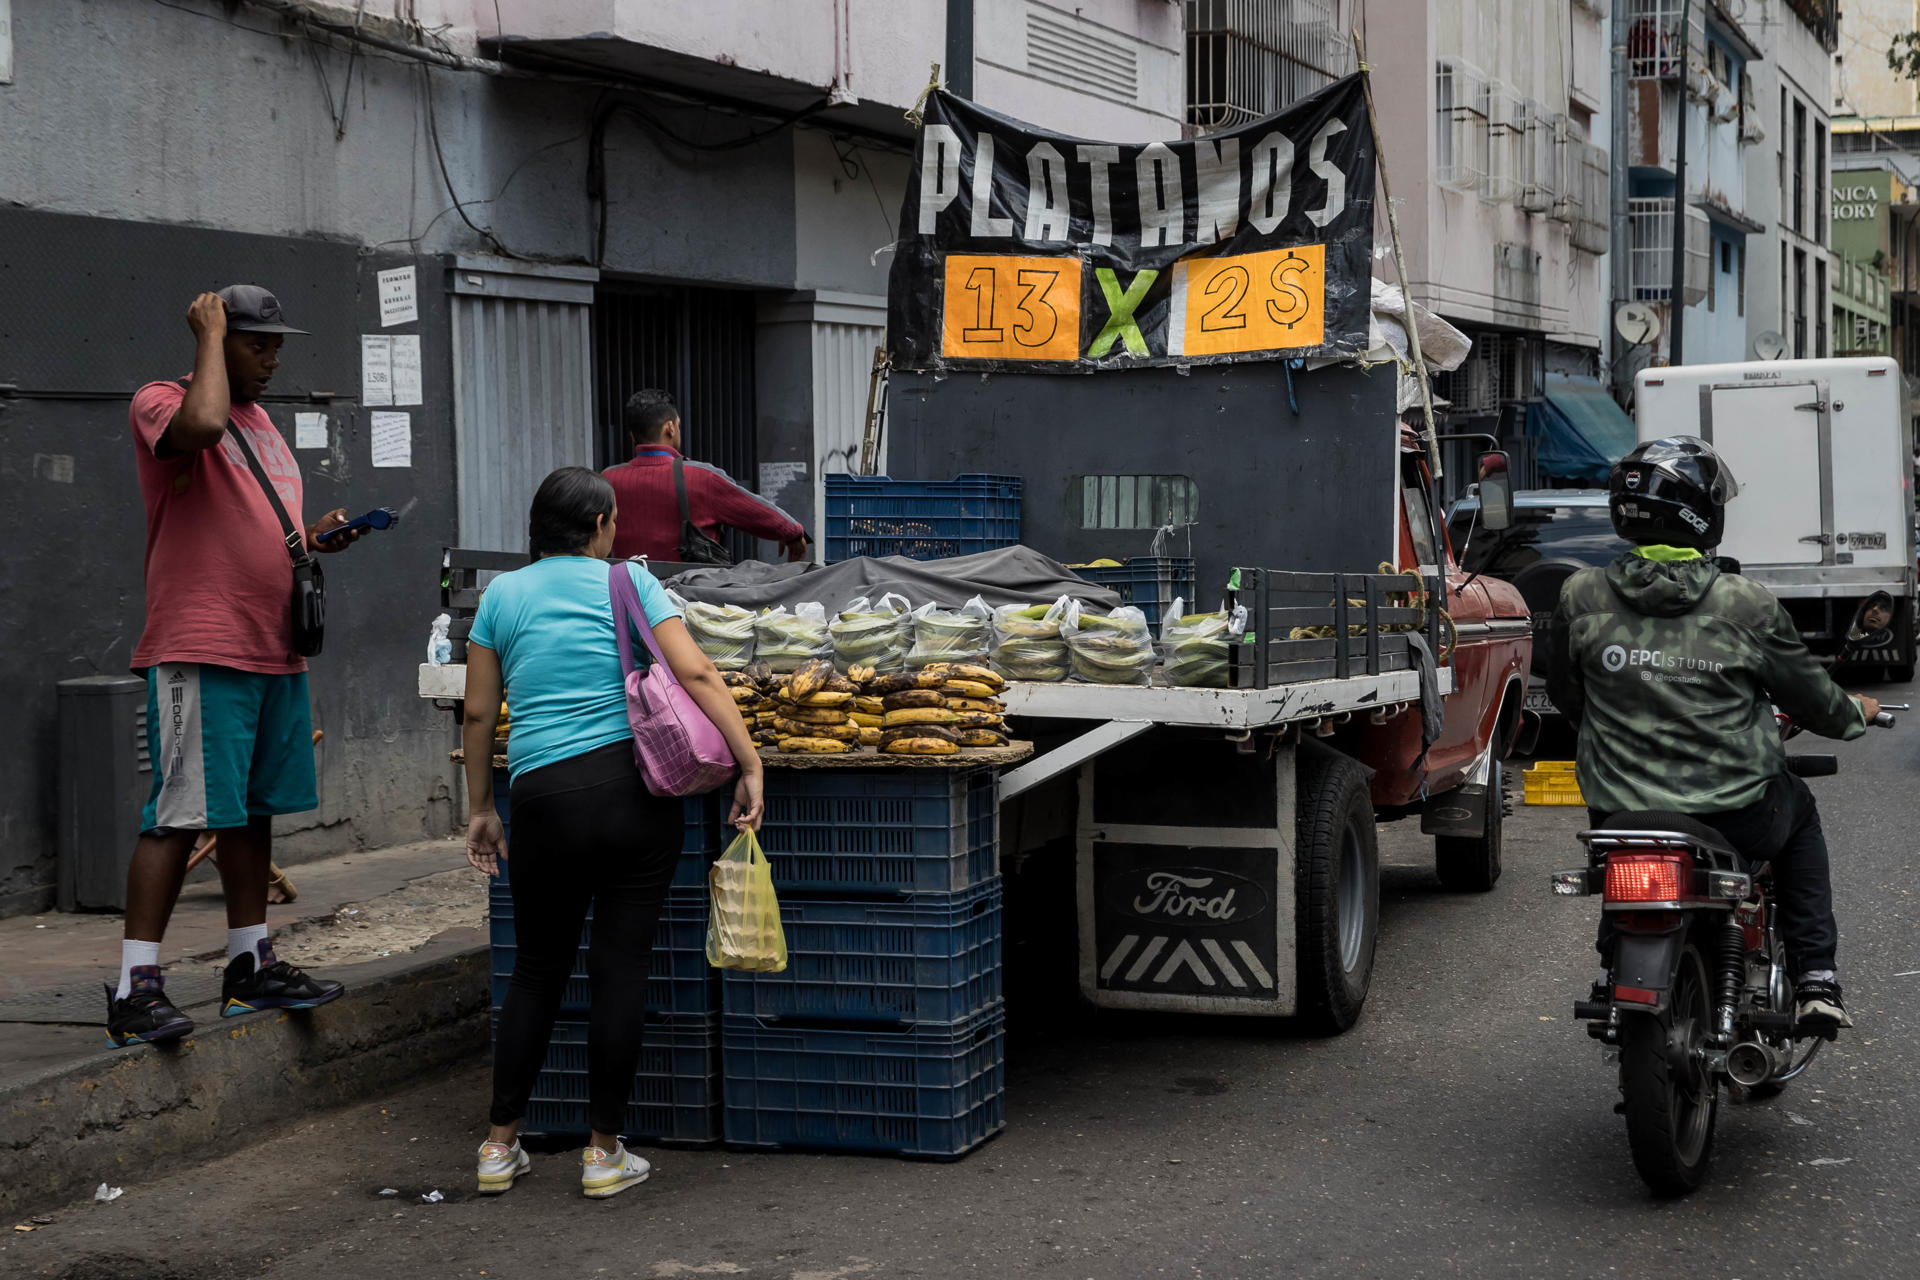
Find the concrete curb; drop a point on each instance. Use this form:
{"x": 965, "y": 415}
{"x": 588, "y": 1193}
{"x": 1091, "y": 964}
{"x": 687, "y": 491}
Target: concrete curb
{"x": 124, "y": 1114}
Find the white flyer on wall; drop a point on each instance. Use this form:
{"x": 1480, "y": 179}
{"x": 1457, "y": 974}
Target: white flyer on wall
{"x": 775, "y": 476}
{"x": 399, "y": 303}
{"x": 406, "y": 368}
{"x": 376, "y": 368}
{"x": 392, "y": 439}
{"x": 309, "y": 430}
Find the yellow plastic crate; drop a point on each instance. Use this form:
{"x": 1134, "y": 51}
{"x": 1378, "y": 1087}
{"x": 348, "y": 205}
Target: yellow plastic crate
{"x": 1552, "y": 782}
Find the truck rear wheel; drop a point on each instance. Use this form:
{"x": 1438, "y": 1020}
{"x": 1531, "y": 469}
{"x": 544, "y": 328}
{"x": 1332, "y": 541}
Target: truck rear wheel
{"x": 1471, "y": 864}
{"x": 1336, "y": 890}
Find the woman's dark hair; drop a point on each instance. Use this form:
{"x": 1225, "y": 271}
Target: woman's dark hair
{"x": 565, "y": 511}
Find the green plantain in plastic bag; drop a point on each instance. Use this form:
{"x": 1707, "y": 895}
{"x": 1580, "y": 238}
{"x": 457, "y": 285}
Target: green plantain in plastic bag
{"x": 743, "y": 924}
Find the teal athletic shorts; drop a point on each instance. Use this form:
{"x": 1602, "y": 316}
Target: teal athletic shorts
{"x": 226, "y": 746}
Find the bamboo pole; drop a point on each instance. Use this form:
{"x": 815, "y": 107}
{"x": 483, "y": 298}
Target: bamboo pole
{"x": 1399, "y": 261}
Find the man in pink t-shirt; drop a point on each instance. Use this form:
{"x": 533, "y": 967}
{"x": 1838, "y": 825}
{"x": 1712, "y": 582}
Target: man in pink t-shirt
{"x": 229, "y": 729}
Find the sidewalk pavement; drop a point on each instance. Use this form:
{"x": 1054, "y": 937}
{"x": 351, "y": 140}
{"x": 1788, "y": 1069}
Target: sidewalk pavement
{"x": 404, "y": 928}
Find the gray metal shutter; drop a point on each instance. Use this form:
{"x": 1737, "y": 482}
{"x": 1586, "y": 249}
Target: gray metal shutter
{"x": 522, "y": 389}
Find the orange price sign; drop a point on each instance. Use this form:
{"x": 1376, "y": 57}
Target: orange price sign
{"x": 1266, "y": 301}
{"x": 1007, "y": 308}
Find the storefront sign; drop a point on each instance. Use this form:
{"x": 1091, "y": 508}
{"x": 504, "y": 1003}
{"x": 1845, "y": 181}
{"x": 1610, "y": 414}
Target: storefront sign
{"x": 1853, "y": 203}
{"x": 1027, "y": 250}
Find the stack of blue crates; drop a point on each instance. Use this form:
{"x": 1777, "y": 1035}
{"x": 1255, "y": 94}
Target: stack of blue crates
{"x": 676, "y": 1091}
{"x": 886, "y": 1031}
{"x": 1149, "y": 583}
{"x": 920, "y": 519}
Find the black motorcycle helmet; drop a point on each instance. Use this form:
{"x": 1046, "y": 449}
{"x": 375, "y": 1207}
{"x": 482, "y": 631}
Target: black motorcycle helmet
{"x": 1672, "y": 491}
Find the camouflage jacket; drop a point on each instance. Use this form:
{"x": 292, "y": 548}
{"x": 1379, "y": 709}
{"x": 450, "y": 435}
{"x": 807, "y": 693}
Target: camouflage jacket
{"x": 1667, "y": 669}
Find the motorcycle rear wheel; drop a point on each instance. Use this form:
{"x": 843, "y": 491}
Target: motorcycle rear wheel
{"x": 1670, "y": 1100}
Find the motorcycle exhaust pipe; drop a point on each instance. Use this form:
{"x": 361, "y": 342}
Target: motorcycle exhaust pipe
{"x": 1750, "y": 1063}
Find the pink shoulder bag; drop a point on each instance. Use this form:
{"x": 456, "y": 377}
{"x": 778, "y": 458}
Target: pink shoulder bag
{"x": 677, "y": 748}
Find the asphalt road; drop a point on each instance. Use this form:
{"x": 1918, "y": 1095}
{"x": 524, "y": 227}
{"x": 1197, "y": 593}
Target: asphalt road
{"x": 1463, "y": 1128}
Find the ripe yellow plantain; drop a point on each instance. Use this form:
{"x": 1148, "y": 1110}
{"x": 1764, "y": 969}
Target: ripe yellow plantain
{"x": 912, "y": 698}
{"x": 920, "y": 747}
{"x": 810, "y": 679}
{"x": 865, "y": 721}
{"x": 813, "y": 746}
{"x": 977, "y": 720}
{"x": 988, "y": 705}
{"x": 811, "y": 715}
{"x": 919, "y": 715}
{"x": 970, "y": 689}
{"x": 983, "y": 738}
{"x": 867, "y": 705}
{"x": 975, "y": 672}
{"x": 842, "y": 732}
{"x": 869, "y": 737}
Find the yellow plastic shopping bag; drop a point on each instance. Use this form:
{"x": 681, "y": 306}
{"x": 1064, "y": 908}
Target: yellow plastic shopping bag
{"x": 743, "y": 925}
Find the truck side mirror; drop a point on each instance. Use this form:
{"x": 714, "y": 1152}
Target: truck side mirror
{"x": 1872, "y": 623}
{"x": 1496, "y": 492}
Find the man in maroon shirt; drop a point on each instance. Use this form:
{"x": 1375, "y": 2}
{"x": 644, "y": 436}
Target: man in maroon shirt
{"x": 650, "y": 504}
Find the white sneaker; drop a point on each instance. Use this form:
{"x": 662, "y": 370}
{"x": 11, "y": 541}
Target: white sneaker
{"x": 500, "y": 1164}
{"x": 606, "y": 1173}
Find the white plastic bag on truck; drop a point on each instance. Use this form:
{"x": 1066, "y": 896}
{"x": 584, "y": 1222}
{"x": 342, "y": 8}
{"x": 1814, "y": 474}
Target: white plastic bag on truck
{"x": 724, "y": 632}
{"x": 787, "y": 641}
{"x": 1196, "y": 645}
{"x": 940, "y": 636}
{"x": 1116, "y": 649}
{"x": 873, "y": 633}
{"x": 1027, "y": 644}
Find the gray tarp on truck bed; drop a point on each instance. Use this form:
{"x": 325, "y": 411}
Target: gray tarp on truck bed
{"x": 1012, "y": 575}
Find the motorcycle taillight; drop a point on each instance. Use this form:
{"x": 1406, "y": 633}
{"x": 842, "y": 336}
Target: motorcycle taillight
{"x": 1647, "y": 877}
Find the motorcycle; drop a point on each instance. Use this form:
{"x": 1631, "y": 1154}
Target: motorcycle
{"x": 1695, "y": 993}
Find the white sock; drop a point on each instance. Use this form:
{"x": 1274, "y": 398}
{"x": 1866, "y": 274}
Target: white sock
{"x": 131, "y": 954}
{"x": 245, "y": 941}
{"x": 1817, "y": 975}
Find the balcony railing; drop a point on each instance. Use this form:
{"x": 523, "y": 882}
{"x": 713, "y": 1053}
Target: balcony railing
{"x": 1653, "y": 36}
{"x": 1250, "y": 58}
{"x": 1650, "y": 250}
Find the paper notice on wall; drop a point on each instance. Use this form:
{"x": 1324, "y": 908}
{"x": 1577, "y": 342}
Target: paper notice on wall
{"x": 406, "y": 368}
{"x": 775, "y": 476}
{"x": 309, "y": 430}
{"x": 392, "y": 439}
{"x": 398, "y": 301}
{"x": 376, "y": 368}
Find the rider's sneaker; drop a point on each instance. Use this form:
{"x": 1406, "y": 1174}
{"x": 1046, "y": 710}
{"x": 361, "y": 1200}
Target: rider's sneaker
{"x": 1819, "y": 1010}
{"x": 145, "y": 1015}
{"x": 500, "y": 1164}
{"x": 250, "y": 986}
{"x": 606, "y": 1173}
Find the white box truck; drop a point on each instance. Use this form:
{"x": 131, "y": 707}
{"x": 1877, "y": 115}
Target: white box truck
{"x": 1823, "y": 451}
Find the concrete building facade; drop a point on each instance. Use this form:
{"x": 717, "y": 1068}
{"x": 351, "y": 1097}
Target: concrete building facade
{"x": 593, "y": 196}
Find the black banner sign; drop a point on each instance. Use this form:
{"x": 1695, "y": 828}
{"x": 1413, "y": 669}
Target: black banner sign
{"x": 1027, "y": 250}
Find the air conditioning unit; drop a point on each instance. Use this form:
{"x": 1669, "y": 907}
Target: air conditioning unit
{"x": 1461, "y": 137}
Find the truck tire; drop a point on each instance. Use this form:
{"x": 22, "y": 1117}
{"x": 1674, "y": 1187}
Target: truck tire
{"x": 1471, "y": 864}
{"x": 1336, "y": 890}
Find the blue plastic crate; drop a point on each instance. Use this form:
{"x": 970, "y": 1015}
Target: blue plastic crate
{"x": 920, "y": 519}
{"x": 680, "y": 981}
{"x": 893, "y": 831}
{"x": 932, "y": 1090}
{"x": 1149, "y": 583}
{"x": 934, "y": 957}
{"x": 676, "y": 1088}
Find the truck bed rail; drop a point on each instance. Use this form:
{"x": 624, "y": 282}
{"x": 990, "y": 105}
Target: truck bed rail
{"x": 1330, "y": 626}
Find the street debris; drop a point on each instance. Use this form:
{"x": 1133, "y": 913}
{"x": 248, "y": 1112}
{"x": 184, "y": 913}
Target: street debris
{"x": 432, "y": 1197}
{"x": 389, "y": 1191}
{"x": 1794, "y": 1117}
{"x": 1831, "y": 1160}
{"x": 103, "y": 1193}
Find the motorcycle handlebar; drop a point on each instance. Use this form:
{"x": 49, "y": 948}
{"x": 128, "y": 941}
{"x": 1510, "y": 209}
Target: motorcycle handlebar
{"x": 1884, "y": 720}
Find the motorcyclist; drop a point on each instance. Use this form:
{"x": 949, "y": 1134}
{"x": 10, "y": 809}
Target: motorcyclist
{"x": 1669, "y": 665}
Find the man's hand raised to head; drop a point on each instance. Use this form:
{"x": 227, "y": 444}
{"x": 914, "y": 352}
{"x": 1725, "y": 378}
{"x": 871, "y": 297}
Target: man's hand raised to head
{"x": 207, "y": 317}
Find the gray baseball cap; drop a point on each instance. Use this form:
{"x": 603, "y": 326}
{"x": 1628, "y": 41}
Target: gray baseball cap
{"x": 251, "y": 309}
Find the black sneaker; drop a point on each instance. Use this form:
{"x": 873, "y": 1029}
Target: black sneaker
{"x": 145, "y": 1016}
{"x": 250, "y": 986}
{"x": 1819, "y": 1010}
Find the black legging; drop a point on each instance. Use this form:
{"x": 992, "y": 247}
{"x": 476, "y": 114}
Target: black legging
{"x": 586, "y": 831}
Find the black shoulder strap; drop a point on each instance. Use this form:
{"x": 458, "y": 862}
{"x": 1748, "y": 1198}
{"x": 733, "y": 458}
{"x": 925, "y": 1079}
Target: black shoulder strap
{"x": 680, "y": 489}
{"x": 296, "y": 540}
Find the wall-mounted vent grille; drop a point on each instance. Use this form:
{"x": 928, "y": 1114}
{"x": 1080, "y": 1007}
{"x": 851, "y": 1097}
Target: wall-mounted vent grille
{"x": 1079, "y": 56}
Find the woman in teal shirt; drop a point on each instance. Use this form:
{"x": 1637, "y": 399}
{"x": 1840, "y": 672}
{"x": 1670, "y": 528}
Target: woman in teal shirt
{"x": 586, "y": 831}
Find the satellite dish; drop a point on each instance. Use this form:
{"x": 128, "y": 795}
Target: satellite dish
{"x": 1637, "y": 323}
{"x": 1771, "y": 345}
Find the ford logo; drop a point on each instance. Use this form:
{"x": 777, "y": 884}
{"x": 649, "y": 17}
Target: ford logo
{"x": 1190, "y": 895}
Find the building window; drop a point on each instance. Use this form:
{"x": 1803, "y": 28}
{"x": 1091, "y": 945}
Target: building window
{"x": 1799, "y": 304}
{"x": 1799, "y": 219}
{"x": 1820, "y": 307}
{"x": 1820, "y": 187}
{"x": 1742, "y": 293}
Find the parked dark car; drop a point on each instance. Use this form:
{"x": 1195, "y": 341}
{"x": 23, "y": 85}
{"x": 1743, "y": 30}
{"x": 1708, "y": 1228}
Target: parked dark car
{"x": 1554, "y": 532}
